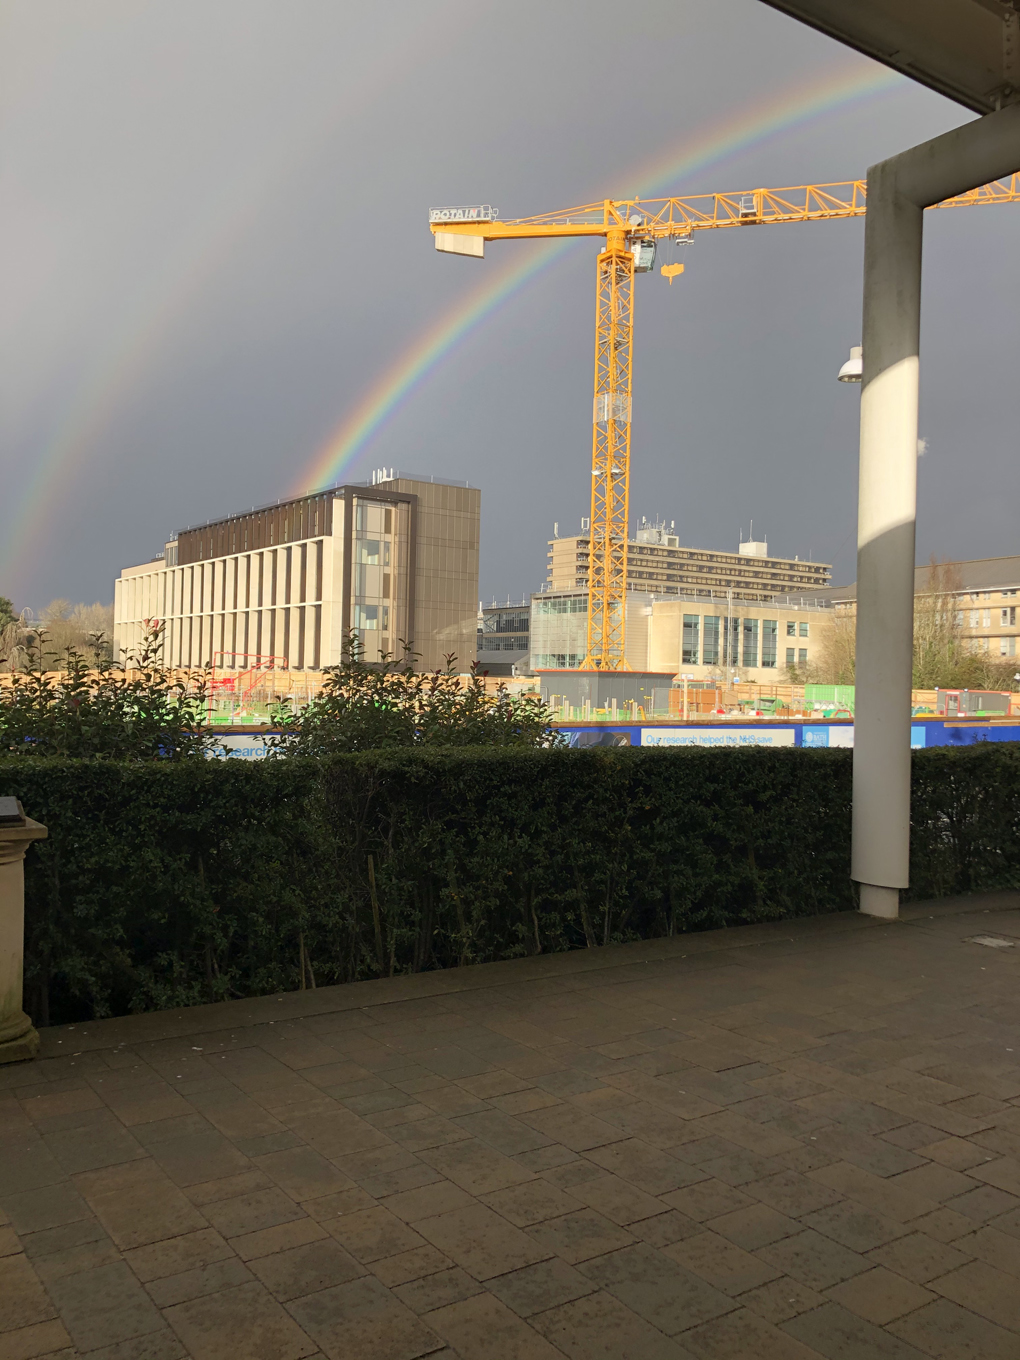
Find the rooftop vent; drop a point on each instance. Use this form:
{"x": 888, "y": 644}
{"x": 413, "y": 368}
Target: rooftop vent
{"x": 656, "y": 532}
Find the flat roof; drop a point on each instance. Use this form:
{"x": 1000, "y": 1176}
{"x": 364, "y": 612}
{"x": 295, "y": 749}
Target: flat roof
{"x": 336, "y": 490}
{"x": 979, "y": 573}
{"x": 738, "y": 557}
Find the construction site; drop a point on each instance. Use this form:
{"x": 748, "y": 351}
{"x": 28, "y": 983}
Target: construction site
{"x": 260, "y": 602}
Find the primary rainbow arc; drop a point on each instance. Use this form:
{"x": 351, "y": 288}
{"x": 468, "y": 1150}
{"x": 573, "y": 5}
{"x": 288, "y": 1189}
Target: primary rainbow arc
{"x": 429, "y": 350}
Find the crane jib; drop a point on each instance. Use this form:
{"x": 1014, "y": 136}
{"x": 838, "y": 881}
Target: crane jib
{"x": 631, "y": 227}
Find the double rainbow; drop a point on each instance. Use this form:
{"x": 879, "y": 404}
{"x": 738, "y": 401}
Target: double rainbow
{"x": 743, "y": 130}
{"x": 132, "y": 348}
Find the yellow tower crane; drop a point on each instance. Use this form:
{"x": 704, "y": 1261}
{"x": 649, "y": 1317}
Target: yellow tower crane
{"x": 631, "y": 227}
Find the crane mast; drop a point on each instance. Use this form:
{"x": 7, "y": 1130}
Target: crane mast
{"x": 630, "y": 228}
{"x": 610, "y": 470}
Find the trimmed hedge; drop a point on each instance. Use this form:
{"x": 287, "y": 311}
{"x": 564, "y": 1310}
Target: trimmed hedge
{"x": 965, "y": 820}
{"x": 172, "y": 884}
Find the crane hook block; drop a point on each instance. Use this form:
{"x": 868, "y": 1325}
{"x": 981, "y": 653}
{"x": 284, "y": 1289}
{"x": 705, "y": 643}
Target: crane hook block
{"x": 670, "y": 271}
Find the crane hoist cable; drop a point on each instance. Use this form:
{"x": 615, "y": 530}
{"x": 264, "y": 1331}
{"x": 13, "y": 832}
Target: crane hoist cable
{"x": 631, "y": 228}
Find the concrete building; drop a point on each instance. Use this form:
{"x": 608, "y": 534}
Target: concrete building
{"x": 504, "y": 637}
{"x": 394, "y": 560}
{"x": 986, "y": 591}
{"x": 709, "y": 635}
{"x": 657, "y": 563}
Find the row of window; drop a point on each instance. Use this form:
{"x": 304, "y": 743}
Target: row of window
{"x": 306, "y": 518}
{"x": 506, "y": 623}
{"x": 238, "y": 641}
{"x": 508, "y": 643}
{"x": 982, "y": 618}
{"x": 729, "y": 573}
{"x": 713, "y": 640}
{"x": 723, "y": 560}
{"x": 557, "y": 661}
{"x": 572, "y": 604}
{"x": 1007, "y": 645}
{"x": 277, "y": 576}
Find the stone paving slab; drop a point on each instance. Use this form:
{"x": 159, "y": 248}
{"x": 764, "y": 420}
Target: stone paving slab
{"x": 793, "y": 1140}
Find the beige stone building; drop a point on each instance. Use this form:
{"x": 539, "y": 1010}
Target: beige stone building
{"x": 657, "y": 564}
{"x": 395, "y": 560}
{"x": 712, "y": 635}
{"x": 986, "y": 593}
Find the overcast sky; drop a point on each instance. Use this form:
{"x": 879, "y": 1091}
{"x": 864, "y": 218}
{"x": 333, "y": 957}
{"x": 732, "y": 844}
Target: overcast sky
{"x": 215, "y": 240}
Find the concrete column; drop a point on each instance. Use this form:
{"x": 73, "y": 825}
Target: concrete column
{"x": 18, "y": 1038}
{"x": 898, "y": 191}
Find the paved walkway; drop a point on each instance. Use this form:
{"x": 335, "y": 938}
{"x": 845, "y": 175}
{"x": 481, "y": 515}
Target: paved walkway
{"x": 781, "y": 1142}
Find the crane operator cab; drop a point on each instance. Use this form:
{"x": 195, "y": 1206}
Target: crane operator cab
{"x": 644, "y": 256}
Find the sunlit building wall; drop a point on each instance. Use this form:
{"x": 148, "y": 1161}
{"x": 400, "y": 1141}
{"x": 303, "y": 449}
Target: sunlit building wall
{"x": 395, "y": 562}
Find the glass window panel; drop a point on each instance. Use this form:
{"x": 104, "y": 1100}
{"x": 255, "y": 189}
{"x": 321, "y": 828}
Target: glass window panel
{"x": 690, "y": 642}
{"x": 731, "y": 642}
{"x": 769, "y": 642}
{"x": 710, "y": 641}
{"x": 750, "y": 643}
{"x": 573, "y": 605}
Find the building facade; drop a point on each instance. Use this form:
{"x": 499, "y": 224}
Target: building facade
{"x": 984, "y": 592}
{"x": 504, "y": 637}
{"x": 657, "y": 563}
{"x": 708, "y": 636}
{"x": 395, "y": 561}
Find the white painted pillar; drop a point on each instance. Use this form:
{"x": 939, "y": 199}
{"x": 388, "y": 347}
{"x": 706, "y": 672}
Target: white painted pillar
{"x": 899, "y": 190}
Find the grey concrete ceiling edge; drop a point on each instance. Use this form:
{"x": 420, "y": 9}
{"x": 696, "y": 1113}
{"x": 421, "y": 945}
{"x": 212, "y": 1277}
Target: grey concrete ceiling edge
{"x": 967, "y": 50}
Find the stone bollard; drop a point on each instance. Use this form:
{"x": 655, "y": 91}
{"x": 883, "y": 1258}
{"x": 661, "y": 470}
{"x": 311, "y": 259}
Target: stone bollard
{"x": 18, "y": 1037}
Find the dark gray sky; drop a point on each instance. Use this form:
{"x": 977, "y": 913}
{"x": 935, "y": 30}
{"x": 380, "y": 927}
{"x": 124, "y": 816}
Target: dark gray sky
{"x": 215, "y": 240}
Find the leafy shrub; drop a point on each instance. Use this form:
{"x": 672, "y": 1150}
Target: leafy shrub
{"x": 96, "y": 710}
{"x": 378, "y": 706}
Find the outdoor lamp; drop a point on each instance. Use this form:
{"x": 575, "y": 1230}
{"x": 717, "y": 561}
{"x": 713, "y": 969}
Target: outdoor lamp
{"x": 854, "y": 366}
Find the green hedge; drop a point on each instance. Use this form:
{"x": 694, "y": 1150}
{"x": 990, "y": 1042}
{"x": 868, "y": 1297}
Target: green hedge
{"x": 171, "y": 884}
{"x": 965, "y": 814}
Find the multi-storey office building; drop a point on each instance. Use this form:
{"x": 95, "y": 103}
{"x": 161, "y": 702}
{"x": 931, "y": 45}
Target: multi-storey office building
{"x": 984, "y": 595}
{"x": 707, "y": 636}
{"x": 395, "y": 561}
{"x": 656, "y": 563}
{"x": 504, "y": 636}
